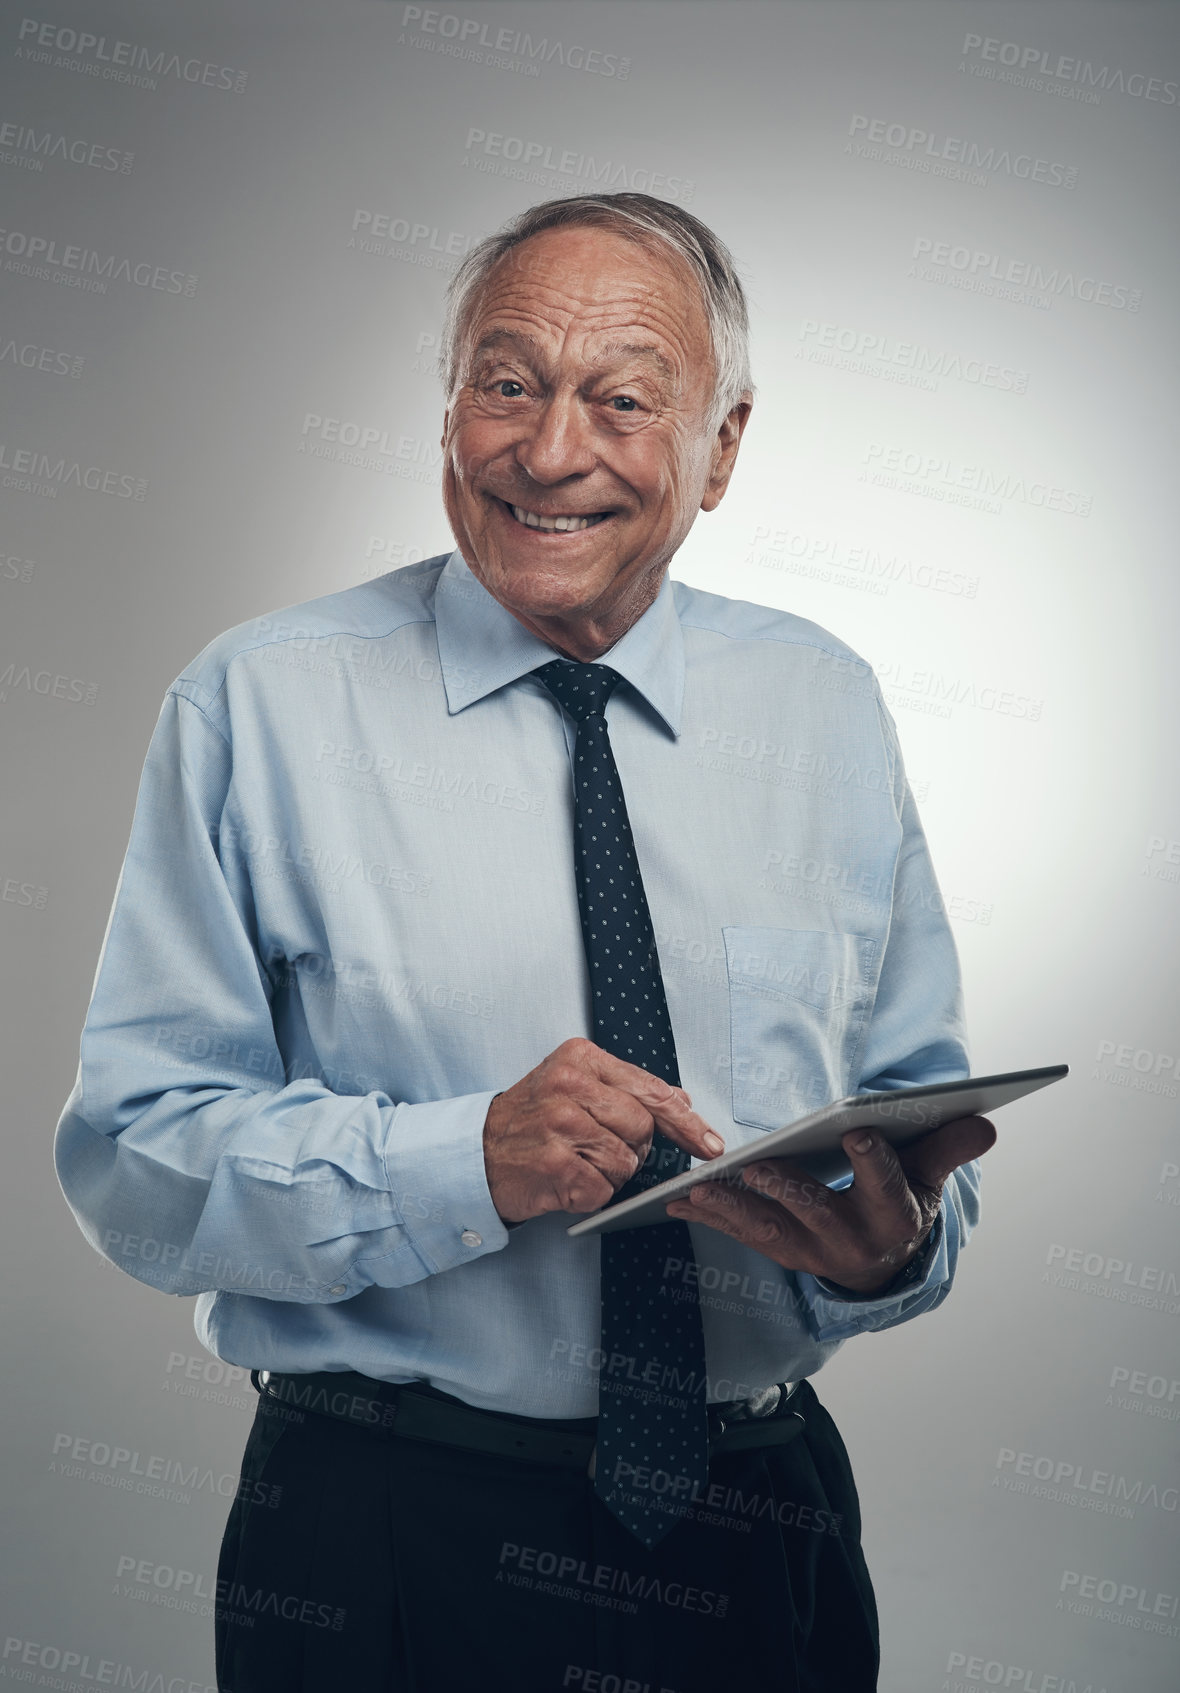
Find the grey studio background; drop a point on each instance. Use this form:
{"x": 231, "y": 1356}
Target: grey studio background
{"x": 226, "y": 233}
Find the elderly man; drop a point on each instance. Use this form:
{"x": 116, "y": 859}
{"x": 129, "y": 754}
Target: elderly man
{"x": 459, "y": 904}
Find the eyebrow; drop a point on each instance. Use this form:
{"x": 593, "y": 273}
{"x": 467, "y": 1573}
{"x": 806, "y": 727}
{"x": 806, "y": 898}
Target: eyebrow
{"x": 633, "y": 350}
{"x": 614, "y": 351}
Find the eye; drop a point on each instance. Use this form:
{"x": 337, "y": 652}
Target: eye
{"x": 507, "y": 382}
{"x": 623, "y": 402}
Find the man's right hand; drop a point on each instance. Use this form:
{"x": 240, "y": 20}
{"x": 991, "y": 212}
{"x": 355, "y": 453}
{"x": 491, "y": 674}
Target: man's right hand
{"x": 577, "y": 1127}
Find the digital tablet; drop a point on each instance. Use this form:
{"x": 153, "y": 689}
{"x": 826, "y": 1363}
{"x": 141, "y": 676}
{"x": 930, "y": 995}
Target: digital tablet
{"x": 901, "y": 1114}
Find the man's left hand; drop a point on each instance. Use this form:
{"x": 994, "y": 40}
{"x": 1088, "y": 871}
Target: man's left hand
{"x": 860, "y": 1237}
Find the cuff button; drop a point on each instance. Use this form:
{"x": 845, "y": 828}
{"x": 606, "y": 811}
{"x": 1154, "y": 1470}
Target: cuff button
{"x": 470, "y": 1238}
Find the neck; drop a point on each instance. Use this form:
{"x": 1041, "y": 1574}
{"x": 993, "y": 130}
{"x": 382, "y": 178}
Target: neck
{"x": 581, "y": 650}
{"x": 585, "y": 638}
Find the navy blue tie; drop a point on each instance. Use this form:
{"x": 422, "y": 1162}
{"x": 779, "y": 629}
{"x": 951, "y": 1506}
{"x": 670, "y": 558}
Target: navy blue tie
{"x": 653, "y": 1443}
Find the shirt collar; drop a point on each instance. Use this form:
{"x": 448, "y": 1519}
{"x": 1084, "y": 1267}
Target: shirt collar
{"x": 481, "y": 646}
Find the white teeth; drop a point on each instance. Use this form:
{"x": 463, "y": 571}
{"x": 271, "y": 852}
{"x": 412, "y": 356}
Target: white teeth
{"x": 534, "y": 520}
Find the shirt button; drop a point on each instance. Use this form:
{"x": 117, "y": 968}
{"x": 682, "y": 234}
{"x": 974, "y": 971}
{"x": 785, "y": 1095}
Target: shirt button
{"x": 338, "y": 1289}
{"x": 470, "y": 1238}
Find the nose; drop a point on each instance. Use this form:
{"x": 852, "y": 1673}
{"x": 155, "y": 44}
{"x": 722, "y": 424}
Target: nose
{"x": 557, "y": 443}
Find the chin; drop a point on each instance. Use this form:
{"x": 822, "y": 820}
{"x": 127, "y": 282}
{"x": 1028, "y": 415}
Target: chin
{"x": 551, "y": 588}
{"x": 547, "y": 606}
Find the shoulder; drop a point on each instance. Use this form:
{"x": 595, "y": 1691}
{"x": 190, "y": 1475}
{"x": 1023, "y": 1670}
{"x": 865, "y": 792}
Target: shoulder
{"x": 743, "y": 621}
{"x": 777, "y": 667}
{"x": 369, "y": 611}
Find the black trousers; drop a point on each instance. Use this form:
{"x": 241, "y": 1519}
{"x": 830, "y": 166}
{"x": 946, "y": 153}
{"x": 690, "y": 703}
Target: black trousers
{"x": 357, "y": 1562}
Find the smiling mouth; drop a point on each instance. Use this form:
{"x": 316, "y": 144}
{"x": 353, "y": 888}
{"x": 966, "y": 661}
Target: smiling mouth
{"x": 556, "y": 523}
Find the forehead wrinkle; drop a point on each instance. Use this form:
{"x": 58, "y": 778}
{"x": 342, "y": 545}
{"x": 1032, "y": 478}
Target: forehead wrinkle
{"x": 638, "y": 308}
{"x": 646, "y": 300}
{"x": 648, "y": 313}
{"x": 602, "y": 358}
{"x": 498, "y": 335}
{"x": 541, "y": 266}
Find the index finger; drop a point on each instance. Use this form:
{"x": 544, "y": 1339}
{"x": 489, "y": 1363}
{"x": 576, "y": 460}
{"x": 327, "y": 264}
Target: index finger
{"x": 670, "y": 1106}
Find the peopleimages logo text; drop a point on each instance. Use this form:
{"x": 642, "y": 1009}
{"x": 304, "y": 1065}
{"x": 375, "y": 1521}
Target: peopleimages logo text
{"x": 956, "y": 149}
{"x": 105, "y": 1672}
{"x": 40, "y": 255}
{"x": 1063, "y": 67}
{"x": 34, "y": 146}
{"x": 27, "y": 468}
{"x": 875, "y": 348}
{"x": 101, "y": 54}
{"x": 535, "y": 50}
{"x": 542, "y": 158}
{"x": 1025, "y": 273}
{"x": 885, "y": 460}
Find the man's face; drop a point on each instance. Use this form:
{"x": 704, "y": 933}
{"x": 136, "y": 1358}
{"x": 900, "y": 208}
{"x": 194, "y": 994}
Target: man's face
{"x": 585, "y": 391}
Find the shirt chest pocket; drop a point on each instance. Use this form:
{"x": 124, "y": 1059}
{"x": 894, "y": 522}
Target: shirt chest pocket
{"x": 799, "y": 1002}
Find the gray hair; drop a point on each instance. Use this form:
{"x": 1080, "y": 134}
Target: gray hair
{"x": 649, "y": 222}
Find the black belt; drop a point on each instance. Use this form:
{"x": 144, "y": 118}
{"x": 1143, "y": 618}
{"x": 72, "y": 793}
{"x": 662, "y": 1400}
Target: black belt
{"x": 416, "y": 1411}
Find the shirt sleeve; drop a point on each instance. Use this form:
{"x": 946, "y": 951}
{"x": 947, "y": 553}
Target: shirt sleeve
{"x": 916, "y": 1036}
{"x": 187, "y": 1156}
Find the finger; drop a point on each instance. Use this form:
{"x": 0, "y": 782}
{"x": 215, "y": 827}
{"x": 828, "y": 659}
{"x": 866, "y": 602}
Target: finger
{"x": 572, "y": 1131}
{"x": 584, "y": 1171}
{"x": 558, "y": 1177}
{"x": 669, "y": 1105}
{"x": 685, "y": 1129}
{"x": 611, "y": 1157}
{"x": 931, "y": 1160}
{"x": 787, "y": 1183}
{"x": 880, "y": 1194}
{"x": 849, "y": 1234}
{"x": 815, "y": 1208}
{"x": 620, "y": 1113}
{"x": 570, "y": 1081}
{"x": 580, "y": 1187}
{"x": 583, "y": 1055}
{"x": 746, "y": 1217}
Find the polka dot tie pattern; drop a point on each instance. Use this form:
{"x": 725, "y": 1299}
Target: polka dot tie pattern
{"x": 652, "y": 1421}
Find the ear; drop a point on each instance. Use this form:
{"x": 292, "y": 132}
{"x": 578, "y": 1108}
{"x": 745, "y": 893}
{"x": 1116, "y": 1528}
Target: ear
{"x": 725, "y": 451}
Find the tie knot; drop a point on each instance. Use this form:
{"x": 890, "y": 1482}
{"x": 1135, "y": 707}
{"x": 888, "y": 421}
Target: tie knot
{"x": 583, "y": 689}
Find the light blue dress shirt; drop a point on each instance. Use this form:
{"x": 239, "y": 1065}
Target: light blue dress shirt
{"x": 347, "y": 918}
